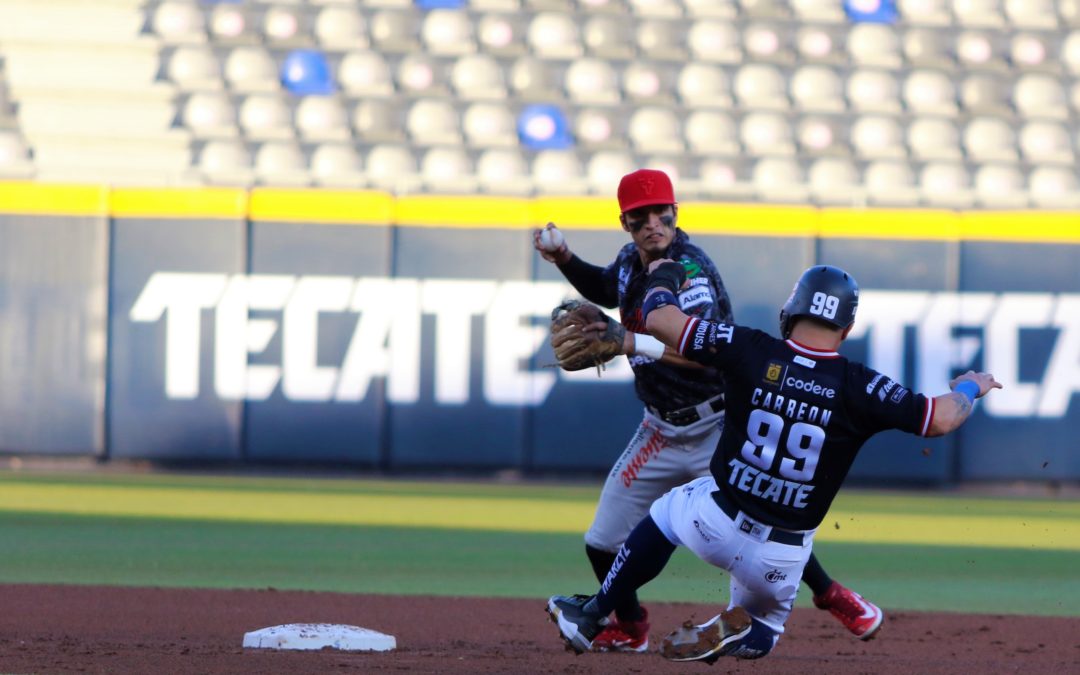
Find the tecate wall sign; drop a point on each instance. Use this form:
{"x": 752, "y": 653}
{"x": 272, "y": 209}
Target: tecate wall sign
{"x": 948, "y": 330}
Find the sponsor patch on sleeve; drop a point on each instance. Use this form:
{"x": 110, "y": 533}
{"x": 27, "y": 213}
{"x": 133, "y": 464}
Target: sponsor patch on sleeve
{"x": 694, "y": 296}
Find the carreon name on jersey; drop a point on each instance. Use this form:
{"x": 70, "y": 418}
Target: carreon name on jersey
{"x": 805, "y": 435}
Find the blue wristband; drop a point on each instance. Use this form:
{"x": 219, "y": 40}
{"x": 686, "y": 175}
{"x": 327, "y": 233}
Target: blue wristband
{"x": 661, "y": 297}
{"x": 968, "y": 388}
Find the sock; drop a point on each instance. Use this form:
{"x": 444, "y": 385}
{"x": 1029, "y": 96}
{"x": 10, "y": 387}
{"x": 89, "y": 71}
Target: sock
{"x": 640, "y": 559}
{"x": 815, "y": 577}
{"x": 628, "y": 609}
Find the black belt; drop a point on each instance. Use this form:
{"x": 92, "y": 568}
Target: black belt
{"x": 691, "y": 413}
{"x": 779, "y": 536}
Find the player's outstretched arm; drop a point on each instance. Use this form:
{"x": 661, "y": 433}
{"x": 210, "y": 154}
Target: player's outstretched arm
{"x": 952, "y": 409}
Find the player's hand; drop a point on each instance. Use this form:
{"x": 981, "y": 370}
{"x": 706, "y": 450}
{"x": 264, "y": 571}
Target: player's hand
{"x": 657, "y": 263}
{"x": 554, "y": 250}
{"x": 985, "y": 381}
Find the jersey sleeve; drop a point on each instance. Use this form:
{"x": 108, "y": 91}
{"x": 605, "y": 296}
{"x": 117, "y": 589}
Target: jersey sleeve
{"x": 886, "y": 404}
{"x": 713, "y": 343}
{"x": 704, "y": 295}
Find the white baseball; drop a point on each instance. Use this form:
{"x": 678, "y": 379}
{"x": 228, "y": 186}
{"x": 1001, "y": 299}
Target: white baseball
{"x": 551, "y": 239}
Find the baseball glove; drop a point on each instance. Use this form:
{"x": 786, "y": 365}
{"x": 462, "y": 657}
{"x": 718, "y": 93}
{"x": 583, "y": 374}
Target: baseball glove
{"x": 578, "y": 344}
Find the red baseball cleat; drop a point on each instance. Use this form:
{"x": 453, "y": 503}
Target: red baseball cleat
{"x": 624, "y": 636}
{"x": 861, "y": 617}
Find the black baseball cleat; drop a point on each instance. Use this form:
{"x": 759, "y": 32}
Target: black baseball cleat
{"x": 576, "y": 626}
{"x": 708, "y": 641}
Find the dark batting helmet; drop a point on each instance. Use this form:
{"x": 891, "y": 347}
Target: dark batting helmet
{"x": 823, "y": 292}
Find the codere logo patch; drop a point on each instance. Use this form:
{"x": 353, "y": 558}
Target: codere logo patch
{"x": 773, "y": 373}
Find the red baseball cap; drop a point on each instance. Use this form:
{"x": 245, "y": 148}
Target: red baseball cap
{"x": 645, "y": 187}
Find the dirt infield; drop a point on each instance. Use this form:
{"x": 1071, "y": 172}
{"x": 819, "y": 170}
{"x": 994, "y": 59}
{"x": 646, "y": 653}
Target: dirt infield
{"x": 80, "y": 629}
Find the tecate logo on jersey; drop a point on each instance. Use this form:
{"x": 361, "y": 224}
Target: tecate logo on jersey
{"x": 811, "y": 387}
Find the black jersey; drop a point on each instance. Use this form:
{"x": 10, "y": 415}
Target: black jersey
{"x": 657, "y": 384}
{"x": 796, "y": 418}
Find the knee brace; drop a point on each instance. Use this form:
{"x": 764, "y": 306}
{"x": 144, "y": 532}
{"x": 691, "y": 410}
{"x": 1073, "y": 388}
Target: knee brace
{"x": 757, "y": 643}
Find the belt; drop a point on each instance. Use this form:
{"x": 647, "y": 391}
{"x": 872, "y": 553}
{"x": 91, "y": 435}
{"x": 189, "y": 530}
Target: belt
{"x": 779, "y": 536}
{"x": 691, "y": 413}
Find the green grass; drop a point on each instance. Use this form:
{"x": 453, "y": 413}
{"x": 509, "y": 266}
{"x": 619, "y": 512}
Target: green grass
{"x": 346, "y": 552}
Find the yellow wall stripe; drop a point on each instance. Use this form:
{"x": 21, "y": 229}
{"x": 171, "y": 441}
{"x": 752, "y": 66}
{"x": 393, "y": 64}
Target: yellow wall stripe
{"x": 56, "y": 200}
{"x": 352, "y": 207}
{"x": 179, "y": 203}
{"x": 572, "y": 213}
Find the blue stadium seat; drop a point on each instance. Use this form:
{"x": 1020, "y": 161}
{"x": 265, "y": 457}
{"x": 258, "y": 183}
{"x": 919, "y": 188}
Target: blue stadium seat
{"x": 871, "y": 11}
{"x": 440, "y": 4}
{"x": 544, "y": 127}
{"x": 305, "y": 72}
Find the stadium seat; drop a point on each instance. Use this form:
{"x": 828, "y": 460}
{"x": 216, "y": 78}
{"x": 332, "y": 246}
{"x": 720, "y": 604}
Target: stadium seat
{"x": 179, "y": 23}
{"x": 873, "y": 91}
{"x": 778, "y": 179}
{"x": 712, "y": 9}
{"x": 714, "y": 41}
{"x": 503, "y": 171}
{"x": 265, "y": 117}
{"x": 724, "y": 179}
{"x": 605, "y": 37}
{"x": 819, "y": 135}
{"x": 501, "y": 35}
{"x": 552, "y": 35}
{"x": 365, "y": 74}
{"x": 1054, "y": 187}
{"x": 1069, "y": 11}
{"x": 194, "y": 68}
{"x": 979, "y": 13}
{"x": 946, "y": 184}
{"x": 874, "y": 44}
{"x": 306, "y": 72}
{"x": 209, "y": 115}
{"x": 890, "y": 183}
{"x": 420, "y": 75}
{"x": 596, "y": 128}
{"x": 818, "y": 11}
{"x": 668, "y": 9}
{"x": 531, "y": 80}
{"x": 878, "y": 137}
{"x": 251, "y": 69}
{"x": 392, "y": 168}
{"x": 646, "y": 82}
{"x": 591, "y": 81}
{"x": 818, "y": 89}
{"x": 990, "y": 139}
{"x": 929, "y": 48}
{"x": 448, "y": 170}
{"x": 986, "y": 94}
{"x": 655, "y": 129}
{"x": 337, "y": 165}
{"x": 1070, "y": 52}
{"x": 232, "y": 25}
{"x": 929, "y": 92}
{"x": 820, "y": 44}
{"x": 981, "y": 50}
{"x": 281, "y": 163}
{"x": 704, "y": 85}
{"x": 341, "y": 28}
{"x": 933, "y": 138}
{"x": 1031, "y": 14}
{"x": 558, "y": 172}
{"x": 710, "y": 133}
{"x": 544, "y": 126}
{"x": 322, "y": 118}
{"x": 433, "y": 122}
{"x": 1031, "y": 51}
{"x": 769, "y": 42}
{"x": 477, "y": 77}
{"x": 761, "y": 86}
{"x": 447, "y": 32}
{"x": 1046, "y": 142}
{"x": 660, "y": 40}
{"x": 378, "y": 120}
{"x": 1037, "y": 95}
{"x": 489, "y": 125}
{"x": 395, "y": 31}
{"x": 835, "y": 180}
{"x": 286, "y": 26}
{"x": 925, "y": 12}
{"x": 765, "y": 9}
{"x": 226, "y": 162}
{"x": 766, "y": 134}
{"x": 1000, "y": 187}
{"x": 606, "y": 168}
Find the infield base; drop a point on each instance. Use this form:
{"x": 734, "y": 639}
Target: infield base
{"x": 319, "y": 636}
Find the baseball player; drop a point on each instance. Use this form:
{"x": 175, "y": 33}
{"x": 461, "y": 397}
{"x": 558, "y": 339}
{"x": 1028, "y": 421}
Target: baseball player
{"x": 684, "y": 401}
{"x": 797, "y": 414}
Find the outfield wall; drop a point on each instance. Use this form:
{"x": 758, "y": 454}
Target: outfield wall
{"x": 407, "y": 333}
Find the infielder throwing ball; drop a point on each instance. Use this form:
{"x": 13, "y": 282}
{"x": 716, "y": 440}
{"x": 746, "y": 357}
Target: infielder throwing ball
{"x": 684, "y": 400}
{"x": 797, "y": 414}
